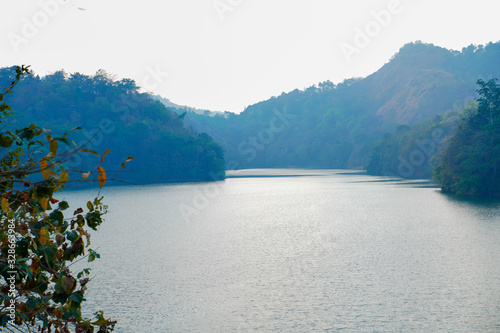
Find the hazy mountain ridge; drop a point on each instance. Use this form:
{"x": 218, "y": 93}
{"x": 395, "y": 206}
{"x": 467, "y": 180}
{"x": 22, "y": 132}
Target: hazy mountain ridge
{"x": 183, "y": 108}
{"x": 114, "y": 115}
{"x": 421, "y": 81}
{"x": 335, "y": 126}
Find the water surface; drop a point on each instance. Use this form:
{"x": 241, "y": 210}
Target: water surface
{"x": 296, "y": 251}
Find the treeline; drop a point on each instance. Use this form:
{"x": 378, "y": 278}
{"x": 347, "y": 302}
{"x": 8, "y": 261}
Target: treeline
{"x": 114, "y": 115}
{"x": 413, "y": 151}
{"x": 325, "y": 126}
{"x": 470, "y": 163}
{"x": 460, "y": 149}
{"x": 336, "y": 125}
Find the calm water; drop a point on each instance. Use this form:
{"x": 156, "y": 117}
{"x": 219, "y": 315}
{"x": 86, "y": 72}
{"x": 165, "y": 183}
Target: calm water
{"x": 296, "y": 251}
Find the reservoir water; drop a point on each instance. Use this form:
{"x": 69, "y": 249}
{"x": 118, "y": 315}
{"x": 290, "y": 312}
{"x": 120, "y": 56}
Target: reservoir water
{"x": 296, "y": 251}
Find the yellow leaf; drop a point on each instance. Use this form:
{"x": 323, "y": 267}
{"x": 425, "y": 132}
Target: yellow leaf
{"x": 102, "y": 176}
{"x": 104, "y": 155}
{"x": 44, "y": 236}
{"x": 85, "y": 175}
{"x": 63, "y": 177}
{"x": 44, "y": 166}
{"x": 53, "y": 147}
{"x": 130, "y": 158}
{"x": 43, "y": 203}
{"x": 5, "y": 204}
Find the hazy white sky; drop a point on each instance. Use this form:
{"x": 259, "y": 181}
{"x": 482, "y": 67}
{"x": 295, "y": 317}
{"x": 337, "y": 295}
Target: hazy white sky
{"x": 228, "y": 54}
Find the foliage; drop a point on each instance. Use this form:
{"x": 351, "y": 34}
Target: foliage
{"x": 324, "y": 126}
{"x": 39, "y": 238}
{"x": 412, "y": 151}
{"x": 336, "y": 125}
{"x": 114, "y": 114}
{"x": 471, "y": 161}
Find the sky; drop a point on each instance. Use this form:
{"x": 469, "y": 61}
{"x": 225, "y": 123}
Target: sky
{"x": 225, "y": 55}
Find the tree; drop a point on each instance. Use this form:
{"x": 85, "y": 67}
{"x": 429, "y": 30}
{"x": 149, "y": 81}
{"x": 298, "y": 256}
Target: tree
{"x": 39, "y": 239}
{"x": 114, "y": 115}
{"x": 470, "y": 163}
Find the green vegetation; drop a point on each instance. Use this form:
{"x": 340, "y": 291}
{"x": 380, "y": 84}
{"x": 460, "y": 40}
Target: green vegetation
{"x": 470, "y": 163}
{"x": 115, "y": 115}
{"x": 39, "y": 239}
{"x": 336, "y": 126}
{"x": 461, "y": 149}
{"x": 413, "y": 151}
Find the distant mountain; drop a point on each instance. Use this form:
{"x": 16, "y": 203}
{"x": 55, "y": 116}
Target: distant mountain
{"x": 422, "y": 80}
{"x": 336, "y": 126}
{"x": 114, "y": 115}
{"x": 183, "y": 108}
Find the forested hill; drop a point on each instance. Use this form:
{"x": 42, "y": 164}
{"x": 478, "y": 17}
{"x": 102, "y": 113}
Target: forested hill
{"x": 114, "y": 115}
{"x": 335, "y": 126}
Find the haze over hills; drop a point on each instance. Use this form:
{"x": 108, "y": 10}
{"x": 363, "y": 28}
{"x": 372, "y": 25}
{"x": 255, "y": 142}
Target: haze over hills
{"x": 179, "y": 108}
{"x": 115, "y": 115}
{"x": 323, "y": 126}
{"x": 335, "y": 126}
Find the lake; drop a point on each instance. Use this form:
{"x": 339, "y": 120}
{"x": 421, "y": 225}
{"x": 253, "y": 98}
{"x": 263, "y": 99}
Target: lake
{"x": 296, "y": 251}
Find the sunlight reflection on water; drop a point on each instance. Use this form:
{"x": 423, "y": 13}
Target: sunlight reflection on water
{"x": 324, "y": 251}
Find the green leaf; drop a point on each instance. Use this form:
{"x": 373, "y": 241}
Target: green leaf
{"x": 90, "y": 151}
{"x": 93, "y": 255}
{"x": 76, "y": 297}
{"x": 84, "y": 272}
{"x": 72, "y": 235}
{"x": 5, "y": 141}
{"x": 33, "y": 303}
{"x": 67, "y": 142}
{"x": 63, "y": 205}
{"x": 17, "y": 138}
{"x": 72, "y": 130}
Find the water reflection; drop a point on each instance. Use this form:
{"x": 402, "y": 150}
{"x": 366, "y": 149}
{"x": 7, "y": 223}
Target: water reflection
{"x": 328, "y": 251}
{"x": 485, "y": 208}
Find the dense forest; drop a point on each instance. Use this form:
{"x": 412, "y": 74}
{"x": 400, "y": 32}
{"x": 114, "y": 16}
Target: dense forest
{"x": 470, "y": 161}
{"x": 393, "y": 122}
{"x": 114, "y": 115}
{"x": 337, "y": 125}
{"x": 460, "y": 149}
{"x": 413, "y": 151}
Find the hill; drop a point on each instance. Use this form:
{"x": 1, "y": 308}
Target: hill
{"x": 114, "y": 115}
{"x": 336, "y": 126}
